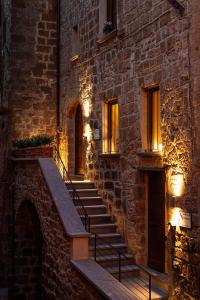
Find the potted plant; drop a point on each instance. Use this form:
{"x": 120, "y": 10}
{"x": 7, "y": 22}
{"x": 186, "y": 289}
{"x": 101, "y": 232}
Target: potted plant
{"x": 35, "y": 146}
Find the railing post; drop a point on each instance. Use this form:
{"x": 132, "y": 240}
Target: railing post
{"x": 119, "y": 266}
{"x": 149, "y": 287}
{"x": 85, "y": 222}
{"x": 88, "y": 224}
{"x": 95, "y": 246}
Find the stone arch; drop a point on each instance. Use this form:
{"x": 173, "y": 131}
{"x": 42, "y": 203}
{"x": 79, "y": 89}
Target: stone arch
{"x": 28, "y": 253}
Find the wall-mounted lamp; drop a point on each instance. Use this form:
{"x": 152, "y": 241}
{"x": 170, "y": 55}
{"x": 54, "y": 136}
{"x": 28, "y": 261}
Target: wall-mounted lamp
{"x": 177, "y": 184}
{"x": 175, "y": 219}
{"x": 87, "y": 132}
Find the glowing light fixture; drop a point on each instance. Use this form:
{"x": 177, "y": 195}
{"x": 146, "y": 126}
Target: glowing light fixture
{"x": 87, "y": 108}
{"x": 177, "y": 184}
{"x": 175, "y": 217}
{"x": 87, "y": 132}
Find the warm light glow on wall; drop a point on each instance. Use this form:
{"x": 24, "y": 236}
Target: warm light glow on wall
{"x": 87, "y": 107}
{"x": 87, "y": 132}
{"x": 86, "y": 93}
{"x": 175, "y": 217}
{"x": 177, "y": 184}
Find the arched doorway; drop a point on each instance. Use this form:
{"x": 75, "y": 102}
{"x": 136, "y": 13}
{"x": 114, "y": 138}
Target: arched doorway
{"x": 79, "y": 169}
{"x": 28, "y": 254}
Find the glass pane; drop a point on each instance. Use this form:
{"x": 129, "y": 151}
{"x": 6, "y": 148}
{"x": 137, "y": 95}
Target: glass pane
{"x": 155, "y": 108}
{"x": 104, "y": 127}
{"x": 114, "y": 128}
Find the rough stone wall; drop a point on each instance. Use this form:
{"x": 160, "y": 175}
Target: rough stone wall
{"x": 187, "y": 242}
{"x": 27, "y": 104}
{"x": 28, "y": 254}
{"x": 33, "y": 68}
{"x": 4, "y": 102}
{"x": 59, "y": 279}
{"x": 153, "y": 45}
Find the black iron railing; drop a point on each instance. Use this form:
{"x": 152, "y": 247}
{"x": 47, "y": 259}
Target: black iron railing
{"x": 120, "y": 255}
{"x": 86, "y": 220}
{"x": 75, "y": 196}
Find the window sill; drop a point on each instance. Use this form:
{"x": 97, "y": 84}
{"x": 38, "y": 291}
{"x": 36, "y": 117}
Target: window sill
{"x": 109, "y": 155}
{"x": 106, "y": 37}
{"x": 149, "y": 154}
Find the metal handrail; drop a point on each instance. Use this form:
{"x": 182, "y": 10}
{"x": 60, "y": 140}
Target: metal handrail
{"x": 75, "y": 196}
{"x": 76, "y": 199}
{"x": 120, "y": 254}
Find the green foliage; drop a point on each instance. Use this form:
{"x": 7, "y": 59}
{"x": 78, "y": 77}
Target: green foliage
{"x": 34, "y": 141}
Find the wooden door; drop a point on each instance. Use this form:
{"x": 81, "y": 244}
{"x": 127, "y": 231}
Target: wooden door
{"x": 156, "y": 220}
{"x": 78, "y": 141}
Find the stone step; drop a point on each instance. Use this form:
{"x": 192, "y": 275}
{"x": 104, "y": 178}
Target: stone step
{"x": 82, "y": 184}
{"x": 112, "y": 237}
{"x": 90, "y": 201}
{"x": 108, "y": 249}
{"x": 126, "y": 271}
{"x": 85, "y": 192}
{"x": 103, "y": 228}
{"x": 99, "y": 219}
{"x": 95, "y": 209}
{"x": 113, "y": 260}
{"x": 140, "y": 288}
{"x": 161, "y": 280}
{"x": 76, "y": 177}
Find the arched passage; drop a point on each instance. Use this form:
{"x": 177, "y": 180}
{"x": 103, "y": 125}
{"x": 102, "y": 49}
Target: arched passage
{"x": 28, "y": 254}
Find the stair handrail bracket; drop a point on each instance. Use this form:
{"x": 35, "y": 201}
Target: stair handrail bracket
{"x": 75, "y": 196}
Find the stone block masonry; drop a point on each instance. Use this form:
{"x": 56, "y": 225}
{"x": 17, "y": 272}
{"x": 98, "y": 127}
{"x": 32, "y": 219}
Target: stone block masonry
{"x": 153, "y": 45}
{"x": 43, "y": 252}
{"x": 33, "y": 68}
{"x": 4, "y": 129}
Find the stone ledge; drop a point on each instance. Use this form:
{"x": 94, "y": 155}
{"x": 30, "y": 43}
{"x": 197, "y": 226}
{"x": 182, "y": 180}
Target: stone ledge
{"x": 104, "y": 282}
{"x": 109, "y": 155}
{"x": 149, "y": 154}
{"x": 66, "y": 209}
{"x": 106, "y": 37}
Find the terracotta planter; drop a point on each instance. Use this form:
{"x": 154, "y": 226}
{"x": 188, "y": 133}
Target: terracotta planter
{"x": 40, "y": 151}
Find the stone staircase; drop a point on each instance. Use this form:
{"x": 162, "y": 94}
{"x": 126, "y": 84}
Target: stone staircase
{"x": 109, "y": 243}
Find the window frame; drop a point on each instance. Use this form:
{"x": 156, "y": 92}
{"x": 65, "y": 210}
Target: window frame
{"x": 107, "y": 127}
{"x": 152, "y": 118}
{"x": 112, "y": 12}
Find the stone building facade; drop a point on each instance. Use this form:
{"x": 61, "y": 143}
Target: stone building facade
{"x": 4, "y": 110}
{"x": 28, "y": 91}
{"x": 151, "y": 48}
{"x": 154, "y": 44}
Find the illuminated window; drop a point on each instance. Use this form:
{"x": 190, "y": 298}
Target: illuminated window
{"x": 153, "y": 120}
{"x": 110, "y": 127}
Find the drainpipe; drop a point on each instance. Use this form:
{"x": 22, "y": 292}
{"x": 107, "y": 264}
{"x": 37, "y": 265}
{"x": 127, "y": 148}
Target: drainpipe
{"x": 58, "y": 74}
